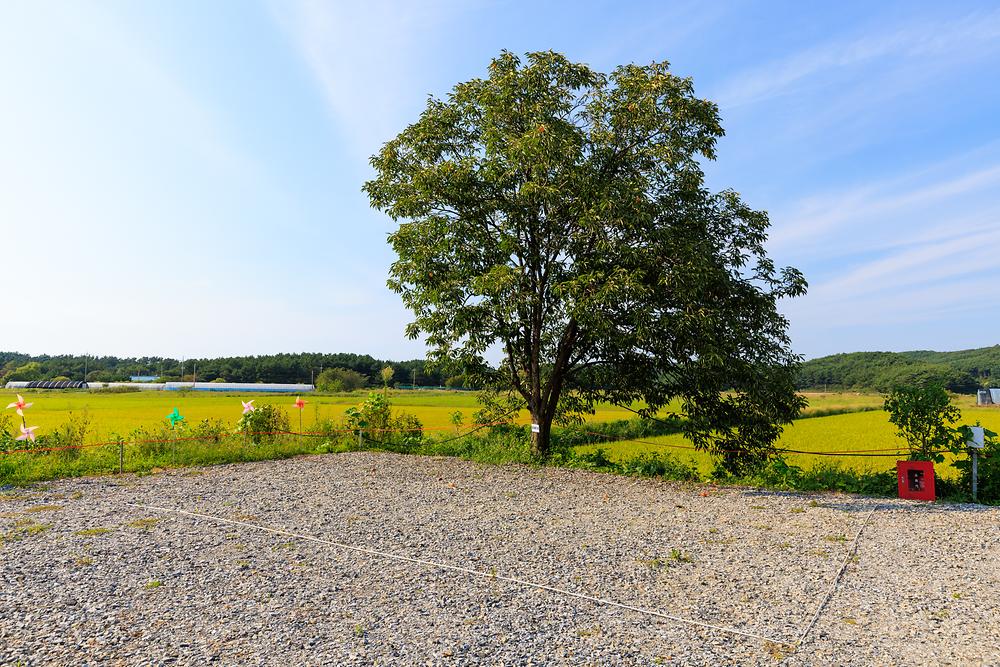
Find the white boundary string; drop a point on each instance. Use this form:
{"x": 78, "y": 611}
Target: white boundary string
{"x": 475, "y": 573}
{"x": 836, "y": 580}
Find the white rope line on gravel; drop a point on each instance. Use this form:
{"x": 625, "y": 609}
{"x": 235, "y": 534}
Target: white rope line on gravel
{"x": 465, "y": 570}
{"x": 836, "y": 580}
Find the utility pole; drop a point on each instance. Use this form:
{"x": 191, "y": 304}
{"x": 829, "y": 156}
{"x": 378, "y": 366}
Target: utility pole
{"x": 414, "y": 381}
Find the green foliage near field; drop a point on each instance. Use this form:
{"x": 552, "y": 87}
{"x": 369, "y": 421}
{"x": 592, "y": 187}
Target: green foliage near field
{"x": 340, "y": 379}
{"x": 265, "y": 368}
{"x": 613, "y": 441}
{"x": 962, "y": 371}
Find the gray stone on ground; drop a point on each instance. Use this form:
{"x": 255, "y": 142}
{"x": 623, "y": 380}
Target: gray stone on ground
{"x": 85, "y": 578}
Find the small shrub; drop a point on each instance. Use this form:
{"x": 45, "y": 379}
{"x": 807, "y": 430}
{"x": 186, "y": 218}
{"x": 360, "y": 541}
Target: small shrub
{"x": 661, "y": 465}
{"x": 263, "y": 425}
{"x": 375, "y": 419}
{"x": 7, "y": 437}
{"x": 923, "y": 415}
{"x": 70, "y": 434}
{"x": 340, "y": 379}
{"x": 208, "y": 430}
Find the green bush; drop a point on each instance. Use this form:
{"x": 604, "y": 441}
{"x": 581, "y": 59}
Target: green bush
{"x": 377, "y": 422}
{"x": 340, "y": 379}
{"x": 455, "y": 382}
{"x": 264, "y": 424}
{"x": 988, "y": 471}
{"x": 7, "y": 433}
{"x": 924, "y": 416}
{"x": 778, "y": 474}
{"x": 70, "y": 434}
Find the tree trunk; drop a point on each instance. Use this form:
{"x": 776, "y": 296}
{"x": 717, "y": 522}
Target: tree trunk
{"x": 540, "y": 440}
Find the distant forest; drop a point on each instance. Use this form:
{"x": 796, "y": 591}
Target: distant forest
{"x": 963, "y": 371}
{"x": 267, "y": 368}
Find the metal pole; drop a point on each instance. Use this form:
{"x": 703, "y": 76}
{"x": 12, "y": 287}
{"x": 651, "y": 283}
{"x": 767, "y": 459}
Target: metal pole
{"x": 121, "y": 456}
{"x": 975, "y": 474}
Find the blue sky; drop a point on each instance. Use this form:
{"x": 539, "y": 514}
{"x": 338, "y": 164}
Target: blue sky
{"x": 183, "y": 178}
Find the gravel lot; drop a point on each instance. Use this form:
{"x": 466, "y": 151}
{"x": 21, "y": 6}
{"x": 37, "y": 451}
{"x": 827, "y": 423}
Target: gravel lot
{"x": 85, "y": 578}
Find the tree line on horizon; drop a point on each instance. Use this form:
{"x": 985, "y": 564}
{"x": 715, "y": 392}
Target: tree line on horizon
{"x": 963, "y": 372}
{"x": 285, "y": 368}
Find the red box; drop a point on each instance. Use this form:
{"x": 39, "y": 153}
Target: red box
{"x": 916, "y": 479}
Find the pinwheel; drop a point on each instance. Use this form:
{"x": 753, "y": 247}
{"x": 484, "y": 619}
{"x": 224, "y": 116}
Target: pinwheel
{"x": 27, "y": 432}
{"x": 300, "y": 404}
{"x": 174, "y": 417}
{"x": 20, "y": 405}
{"x": 248, "y": 406}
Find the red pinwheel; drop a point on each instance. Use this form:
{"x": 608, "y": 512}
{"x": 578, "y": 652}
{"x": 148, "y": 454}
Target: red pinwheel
{"x": 20, "y": 405}
{"x": 300, "y": 404}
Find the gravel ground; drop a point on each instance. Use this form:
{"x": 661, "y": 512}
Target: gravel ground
{"x": 85, "y": 578}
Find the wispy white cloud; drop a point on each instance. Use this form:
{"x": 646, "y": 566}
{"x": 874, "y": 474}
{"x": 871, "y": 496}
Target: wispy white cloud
{"x": 888, "y": 257}
{"x": 368, "y": 58}
{"x": 888, "y": 212}
{"x": 971, "y": 36}
{"x": 932, "y": 262}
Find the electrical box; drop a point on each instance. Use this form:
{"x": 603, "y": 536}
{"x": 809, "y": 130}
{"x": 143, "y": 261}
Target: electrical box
{"x": 916, "y": 479}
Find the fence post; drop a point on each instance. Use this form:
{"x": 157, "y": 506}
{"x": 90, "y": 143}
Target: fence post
{"x": 121, "y": 456}
{"x": 975, "y": 474}
{"x": 360, "y": 445}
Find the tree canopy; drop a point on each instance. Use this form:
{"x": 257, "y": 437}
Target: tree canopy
{"x": 961, "y": 372}
{"x": 560, "y": 216}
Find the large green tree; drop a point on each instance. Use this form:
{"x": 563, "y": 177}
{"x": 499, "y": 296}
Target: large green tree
{"x": 560, "y": 215}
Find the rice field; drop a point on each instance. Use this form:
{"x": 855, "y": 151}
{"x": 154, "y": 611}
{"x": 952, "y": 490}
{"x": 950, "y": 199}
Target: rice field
{"x": 120, "y": 413}
{"x": 857, "y": 431}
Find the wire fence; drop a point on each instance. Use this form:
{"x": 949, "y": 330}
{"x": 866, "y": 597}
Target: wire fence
{"x": 247, "y": 435}
{"x": 372, "y": 437}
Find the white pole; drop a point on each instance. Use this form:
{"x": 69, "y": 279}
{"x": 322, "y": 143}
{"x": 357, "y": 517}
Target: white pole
{"x": 975, "y": 474}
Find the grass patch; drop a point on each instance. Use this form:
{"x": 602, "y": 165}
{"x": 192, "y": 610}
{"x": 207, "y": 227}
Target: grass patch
{"x": 92, "y": 532}
{"x": 153, "y": 584}
{"x": 144, "y": 524}
{"x": 42, "y": 508}
{"x": 679, "y": 556}
{"x": 24, "y": 528}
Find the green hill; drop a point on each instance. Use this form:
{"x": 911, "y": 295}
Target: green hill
{"x": 962, "y": 371}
